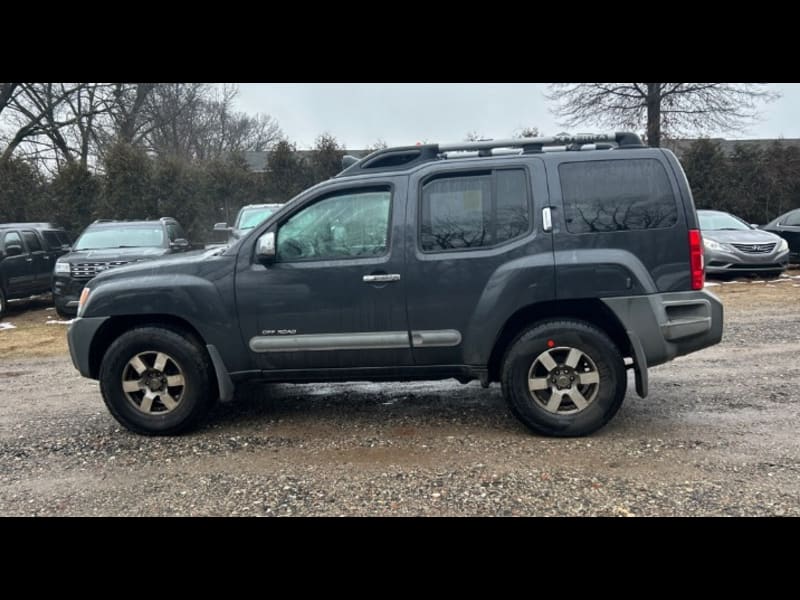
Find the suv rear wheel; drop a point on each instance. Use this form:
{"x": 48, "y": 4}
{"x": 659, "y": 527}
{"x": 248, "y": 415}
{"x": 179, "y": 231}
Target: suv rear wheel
{"x": 156, "y": 381}
{"x": 2, "y": 303}
{"x": 564, "y": 378}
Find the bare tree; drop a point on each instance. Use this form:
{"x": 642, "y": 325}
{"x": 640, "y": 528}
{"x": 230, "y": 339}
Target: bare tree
{"x": 671, "y": 108}
{"x": 527, "y": 132}
{"x": 34, "y": 114}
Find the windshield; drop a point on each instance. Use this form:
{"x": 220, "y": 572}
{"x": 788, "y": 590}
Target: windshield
{"x": 717, "y": 221}
{"x": 124, "y": 236}
{"x": 251, "y": 217}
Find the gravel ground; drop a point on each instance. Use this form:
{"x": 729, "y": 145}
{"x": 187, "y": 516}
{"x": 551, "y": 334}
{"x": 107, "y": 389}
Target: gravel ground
{"x": 717, "y": 436}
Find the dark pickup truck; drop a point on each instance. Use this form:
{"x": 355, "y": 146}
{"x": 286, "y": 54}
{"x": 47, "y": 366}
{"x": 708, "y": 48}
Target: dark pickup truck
{"x": 28, "y": 252}
{"x": 550, "y": 265}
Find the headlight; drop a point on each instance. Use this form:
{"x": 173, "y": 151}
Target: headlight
{"x": 711, "y": 244}
{"x": 62, "y": 267}
{"x": 783, "y": 245}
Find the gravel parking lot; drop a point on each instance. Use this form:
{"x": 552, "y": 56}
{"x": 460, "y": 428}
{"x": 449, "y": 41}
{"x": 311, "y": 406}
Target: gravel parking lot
{"x": 717, "y": 436}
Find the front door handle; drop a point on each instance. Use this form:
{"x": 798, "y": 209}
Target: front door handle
{"x": 381, "y": 278}
{"x": 547, "y": 219}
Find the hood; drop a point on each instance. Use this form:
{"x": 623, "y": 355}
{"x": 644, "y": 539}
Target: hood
{"x": 113, "y": 254}
{"x": 194, "y": 262}
{"x": 751, "y": 236}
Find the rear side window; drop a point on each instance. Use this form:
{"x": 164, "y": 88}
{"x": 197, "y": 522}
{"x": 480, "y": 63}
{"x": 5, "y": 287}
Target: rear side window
{"x": 474, "y": 211}
{"x": 617, "y": 195}
{"x": 31, "y": 241}
{"x": 793, "y": 220}
{"x": 53, "y": 240}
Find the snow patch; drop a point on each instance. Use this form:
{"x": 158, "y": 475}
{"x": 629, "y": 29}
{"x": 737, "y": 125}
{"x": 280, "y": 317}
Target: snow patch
{"x": 10, "y": 326}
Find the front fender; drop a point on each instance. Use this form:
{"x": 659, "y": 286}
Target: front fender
{"x": 189, "y": 297}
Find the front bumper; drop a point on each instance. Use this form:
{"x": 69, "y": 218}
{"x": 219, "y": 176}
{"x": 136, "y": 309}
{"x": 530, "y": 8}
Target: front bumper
{"x": 730, "y": 261}
{"x": 80, "y": 335}
{"x": 67, "y": 292}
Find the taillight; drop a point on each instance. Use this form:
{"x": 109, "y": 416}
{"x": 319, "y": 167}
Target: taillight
{"x": 696, "y": 259}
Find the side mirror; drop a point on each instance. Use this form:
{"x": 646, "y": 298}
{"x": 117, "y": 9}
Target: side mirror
{"x": 179, "y": 244}
{"x": 66, "y": 248}
{"x": 754, "y": 226}
{"x": 221, "y": 227}
{"x": 13, "y": 250}
{"x": 265, "y": 248}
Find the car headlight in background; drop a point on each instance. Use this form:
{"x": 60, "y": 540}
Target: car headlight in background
{"x": 712, "y": 245}
{"x": 62, "y": 267}
{"x": 783, "y": 245}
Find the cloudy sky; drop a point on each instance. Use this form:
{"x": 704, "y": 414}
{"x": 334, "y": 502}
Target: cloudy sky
{"x": 358, "y": 114}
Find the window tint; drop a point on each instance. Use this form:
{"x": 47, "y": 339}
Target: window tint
{"x": 618, "y": 195}
{"x": 172, "y": 232}
{"x": 53, "y": 240}
{"x": 349, "y": 225}
{"x": 474, "y": 211}
{"x": 793, "y": 220}
{"x": 32, "y": 241}
{"x": 13, "y": 239}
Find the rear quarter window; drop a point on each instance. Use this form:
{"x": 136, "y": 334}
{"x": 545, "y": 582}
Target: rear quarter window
{"x": 617, "y": 195}
{"x": 53, "y": 240}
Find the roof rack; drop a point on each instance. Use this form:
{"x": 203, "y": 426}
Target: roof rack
{"x": 391, "y": 159}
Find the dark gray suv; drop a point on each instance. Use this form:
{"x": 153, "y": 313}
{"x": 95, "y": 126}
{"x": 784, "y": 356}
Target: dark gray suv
{"x": 551, "y": 272}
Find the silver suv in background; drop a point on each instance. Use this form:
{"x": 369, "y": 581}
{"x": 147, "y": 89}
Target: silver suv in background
{"x": 249, "y": 216}
{"x": 733, "y": 246}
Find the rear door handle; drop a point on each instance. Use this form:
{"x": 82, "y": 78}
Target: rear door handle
{"x": 381, "y": 278}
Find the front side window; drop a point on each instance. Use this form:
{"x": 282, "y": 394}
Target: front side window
{"x": 349, "y": 225}
{"x": 474, "y": 211}
{"x": 12, "y": 239}
{"x": 617, "y": 195}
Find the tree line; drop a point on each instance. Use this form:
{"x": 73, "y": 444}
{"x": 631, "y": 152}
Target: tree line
{"x": 756, "y": 183}
{"x": 71, "y": 153}
{"x": 75, "y": 152}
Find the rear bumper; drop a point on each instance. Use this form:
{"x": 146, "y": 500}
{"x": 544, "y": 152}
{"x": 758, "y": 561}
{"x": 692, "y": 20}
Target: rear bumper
{"x": 665, "y": 326}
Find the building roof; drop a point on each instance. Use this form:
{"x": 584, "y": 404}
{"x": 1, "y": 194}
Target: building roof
{"x": 257, "y": 161}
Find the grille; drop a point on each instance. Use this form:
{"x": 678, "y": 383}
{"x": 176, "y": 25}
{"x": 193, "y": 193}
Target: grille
{"x": 755, "y": 248}
{"x": 89, "y": 270}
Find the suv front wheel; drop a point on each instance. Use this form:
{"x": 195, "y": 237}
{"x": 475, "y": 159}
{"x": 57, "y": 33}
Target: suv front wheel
{"x": 156, "y": 381}
{"x": 564, "y": 378}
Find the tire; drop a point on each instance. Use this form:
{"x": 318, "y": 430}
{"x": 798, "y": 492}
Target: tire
{"x": 575, "y": 408}
{"x": 2, "y": 303}
{"x": 772, "y": 274}
{"x": 154, "y": 360}
{"x": 63, "y": 313}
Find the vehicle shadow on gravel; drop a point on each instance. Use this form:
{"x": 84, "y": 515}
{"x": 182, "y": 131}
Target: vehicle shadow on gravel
{"x": 321, "y": 406}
